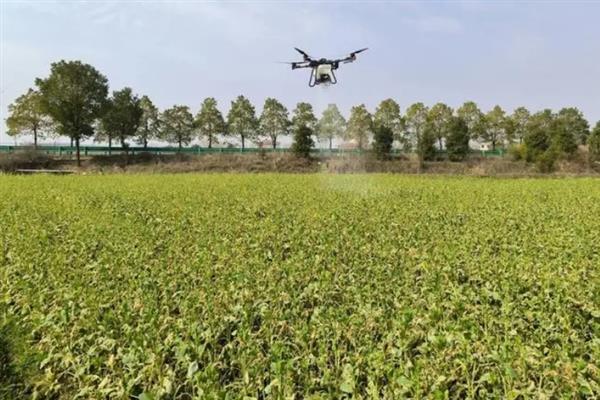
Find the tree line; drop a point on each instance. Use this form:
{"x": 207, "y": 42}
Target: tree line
{"x": 74, "y": 101}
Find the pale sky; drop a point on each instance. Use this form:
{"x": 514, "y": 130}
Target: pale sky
{"x": 512, "y": 53}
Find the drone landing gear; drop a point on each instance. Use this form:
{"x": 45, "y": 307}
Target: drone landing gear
{"x": 333, "y": 78}
{"x": 312, "y": 80}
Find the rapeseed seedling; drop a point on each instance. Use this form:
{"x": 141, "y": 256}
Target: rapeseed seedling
{"x": 299, "y": 286}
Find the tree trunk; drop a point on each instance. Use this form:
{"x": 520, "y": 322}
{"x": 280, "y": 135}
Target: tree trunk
{"x": 440, "y": 143}
{"x": 145, "y": 143}
{"x": 210, "y": 141}
{"x": 242, "y": 142}
{"x": 71, "y": 142}
{"x": 274, "y": 141}
{"x": 493, "y": 145}
{"x": 109, "y": 145}
{"x": 78, "y": 154}
{"x": 180, "y": 146}
{"x": 330, "y": 143}
{"x": 35, "y": 138}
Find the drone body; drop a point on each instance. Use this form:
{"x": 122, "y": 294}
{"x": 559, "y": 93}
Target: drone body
{"x": 322, "y": 70}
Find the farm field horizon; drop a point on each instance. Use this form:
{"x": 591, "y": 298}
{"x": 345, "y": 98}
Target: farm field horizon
{"x": 291, "y": 286}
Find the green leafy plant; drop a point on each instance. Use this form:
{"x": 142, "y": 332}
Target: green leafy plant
{"x": 299, "y": 286}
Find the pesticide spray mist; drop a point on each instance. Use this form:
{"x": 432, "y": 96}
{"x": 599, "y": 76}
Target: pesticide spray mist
{"x": 346, "y": 160}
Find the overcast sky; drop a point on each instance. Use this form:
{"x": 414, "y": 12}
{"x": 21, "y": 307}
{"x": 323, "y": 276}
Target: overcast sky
{"x": 537, "y": 54}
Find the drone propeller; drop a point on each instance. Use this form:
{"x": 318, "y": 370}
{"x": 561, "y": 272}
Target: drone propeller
{"x": 352, "y": 55}
{"x": 306, "y": 56}
{"x": 358, "y": 51}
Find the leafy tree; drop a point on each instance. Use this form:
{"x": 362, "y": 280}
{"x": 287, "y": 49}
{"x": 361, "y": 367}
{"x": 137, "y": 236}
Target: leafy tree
{"x": 388, "y": 115}
{"x": 457, "y": 141}
{"x": 241, "y": 119}
{"x": 150, "y": 122}
{"x": 359, "y": 125}
{"x": 426, "y": 145}
{"x": 383, "y": 138}
{"x": 415, "y": 125}
{"x": 539, "y": 128}
{"x": 26, "y": 116}
{"x": 563, "y": 141}
{"x": 439, "y": 117}
{"x": 303, "y": 141}
{"x": 122, "y": 116}
{"x": 548, "y": 133}
{"x": 518, "y": 124}
{"x": 495, "y": 127}
{"x": 104, "y": 134}
{"x": 274, "y": 120}
{"x": 594, "y": 143}
{"x": 332, "y": 124}
{"x": 303, "y": 116}
{"x": 575, "y": 125}
{"x": 177, "y": 125}
{"x": 545, "y": 161}
{"x": 74, "y": 96}
{"x": 473, "y": 117}
{"x": 209, "y": 121}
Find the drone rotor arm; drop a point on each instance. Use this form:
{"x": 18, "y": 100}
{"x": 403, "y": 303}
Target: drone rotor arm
{"x": 303, "y": 64}
{"x": 342, "y": 60}
{"x": 351, "y": 57}
{"x": 295, "y": 64}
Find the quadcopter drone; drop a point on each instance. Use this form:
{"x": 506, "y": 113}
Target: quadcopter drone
{"x": 322, "y": 69}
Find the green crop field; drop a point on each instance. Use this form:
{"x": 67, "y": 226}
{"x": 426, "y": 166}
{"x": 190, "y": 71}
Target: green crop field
{"x": 299, "y": 287}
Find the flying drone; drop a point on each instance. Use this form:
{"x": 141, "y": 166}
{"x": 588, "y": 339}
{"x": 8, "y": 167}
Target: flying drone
{"x": 322, "y": 68}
